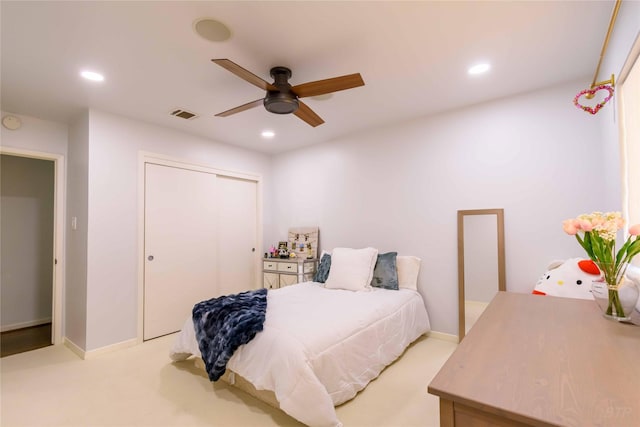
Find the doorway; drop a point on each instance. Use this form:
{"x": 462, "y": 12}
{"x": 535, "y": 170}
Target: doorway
{"x": 27, "y": 226}
{"x": 50, "y": 252}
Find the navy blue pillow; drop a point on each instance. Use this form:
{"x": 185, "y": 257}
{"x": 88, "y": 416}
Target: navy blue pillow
{"x": 323, "y": 269}
{"x": 385, "y": 274}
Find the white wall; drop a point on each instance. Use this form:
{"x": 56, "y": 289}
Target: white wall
{"x": 36, "y": 135}
{"x": 27, "y": 241}
{"x": 76, "y": 240}
{"x": 399, "y": 187}
{"x": 114, "y": 144}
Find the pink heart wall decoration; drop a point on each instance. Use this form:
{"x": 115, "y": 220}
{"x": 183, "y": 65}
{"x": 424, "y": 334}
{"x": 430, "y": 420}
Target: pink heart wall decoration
{"x": 593, "y": 92}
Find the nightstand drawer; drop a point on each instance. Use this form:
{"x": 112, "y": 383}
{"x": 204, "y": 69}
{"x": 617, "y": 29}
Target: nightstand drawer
{"x": 288, "y": 267}
{"x": 269, "y": 265}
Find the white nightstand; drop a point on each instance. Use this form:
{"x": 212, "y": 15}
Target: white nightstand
{"x": 281, "y": 272}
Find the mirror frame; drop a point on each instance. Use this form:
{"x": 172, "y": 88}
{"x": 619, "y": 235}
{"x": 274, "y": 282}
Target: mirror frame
{"x": 502, "y": 286}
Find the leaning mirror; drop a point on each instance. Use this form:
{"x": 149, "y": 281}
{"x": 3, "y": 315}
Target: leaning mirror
{"x": 481, "y": 270}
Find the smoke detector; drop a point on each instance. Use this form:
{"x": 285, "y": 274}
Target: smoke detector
{"x": 11, "y": 122}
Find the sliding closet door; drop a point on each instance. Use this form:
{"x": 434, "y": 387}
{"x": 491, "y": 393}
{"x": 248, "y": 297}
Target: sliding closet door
{"x": 181, "y": 245}
{"x": 237, "y": 234}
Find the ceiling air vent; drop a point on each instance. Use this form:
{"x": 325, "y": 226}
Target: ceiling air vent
{"x": 184, "y": 114}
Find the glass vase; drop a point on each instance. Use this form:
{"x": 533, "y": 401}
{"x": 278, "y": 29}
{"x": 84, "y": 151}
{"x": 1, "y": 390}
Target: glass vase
{"x": 616, "y": 296}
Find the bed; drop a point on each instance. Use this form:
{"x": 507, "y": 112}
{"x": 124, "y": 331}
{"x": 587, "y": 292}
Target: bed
{"x": 320, "y": 346}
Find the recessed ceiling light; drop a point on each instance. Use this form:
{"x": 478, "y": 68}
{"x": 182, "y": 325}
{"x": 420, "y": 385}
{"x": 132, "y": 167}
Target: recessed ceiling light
{"x": 92, "y": 75}
{"x": 479, "y": 69}
{"x": 268, "y": 134}
{"x": 211, "y": 30}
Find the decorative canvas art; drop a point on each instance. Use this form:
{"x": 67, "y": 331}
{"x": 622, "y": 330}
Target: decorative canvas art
{"x": 304, "y": 242}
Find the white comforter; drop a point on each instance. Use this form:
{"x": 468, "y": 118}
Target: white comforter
{"x": 319, "y": 346}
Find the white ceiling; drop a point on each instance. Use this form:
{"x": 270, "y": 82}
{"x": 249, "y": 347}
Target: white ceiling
{"x": 413, "y": 57}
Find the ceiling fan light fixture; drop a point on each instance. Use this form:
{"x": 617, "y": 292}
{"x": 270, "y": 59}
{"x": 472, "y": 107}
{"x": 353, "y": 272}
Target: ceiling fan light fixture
{"x": 212, "y": 30}
{"x": 281, "y": 102}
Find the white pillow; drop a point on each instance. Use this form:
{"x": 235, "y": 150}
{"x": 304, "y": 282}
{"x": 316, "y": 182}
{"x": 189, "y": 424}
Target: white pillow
{"x": 351, "y": 269}
{"x": 408, "y": 268}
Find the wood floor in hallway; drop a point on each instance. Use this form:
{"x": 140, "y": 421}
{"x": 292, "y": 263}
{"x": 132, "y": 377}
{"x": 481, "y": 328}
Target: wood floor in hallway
{"x": 25, "y": 339}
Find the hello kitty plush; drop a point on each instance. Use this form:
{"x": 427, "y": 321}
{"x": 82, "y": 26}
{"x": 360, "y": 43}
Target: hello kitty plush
{"x": 633, "y": 274}
{"x": 570, "y": 279}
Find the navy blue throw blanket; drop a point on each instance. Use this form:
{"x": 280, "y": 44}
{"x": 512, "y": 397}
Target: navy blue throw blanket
{"x": 225, "y": 323}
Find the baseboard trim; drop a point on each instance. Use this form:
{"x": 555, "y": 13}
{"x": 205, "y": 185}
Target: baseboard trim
{"x": 442, "y": 336}
{"x": 85, "y": 355}
{"x": 22, "y": 325}
{"x": 74, "y": 348}
{"x": 109, "y": 348}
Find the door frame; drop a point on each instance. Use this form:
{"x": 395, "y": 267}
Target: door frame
{"x": 145, "y": 157}
{"x": 58, "y": 261}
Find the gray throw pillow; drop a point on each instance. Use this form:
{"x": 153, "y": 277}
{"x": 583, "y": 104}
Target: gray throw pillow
{"x": 385, "y": 273}
{"x": 323, "y": 269}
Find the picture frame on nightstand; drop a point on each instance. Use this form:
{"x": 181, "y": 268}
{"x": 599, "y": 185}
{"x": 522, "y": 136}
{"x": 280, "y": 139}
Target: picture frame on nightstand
{"x": 303, "y": 241}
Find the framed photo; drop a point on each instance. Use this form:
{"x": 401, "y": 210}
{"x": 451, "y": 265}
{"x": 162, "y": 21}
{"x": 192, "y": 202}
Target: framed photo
{"x": 304, "y": 241}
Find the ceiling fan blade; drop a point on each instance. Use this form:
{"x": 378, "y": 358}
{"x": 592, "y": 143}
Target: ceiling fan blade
{"x": 321, "y": 87}
{"x": 244, "y": 74}
{"x": 244, "y": 107}
{"x": 308, "y": 115}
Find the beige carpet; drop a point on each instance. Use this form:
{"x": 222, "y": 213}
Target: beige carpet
{"x": 140, "y": 386}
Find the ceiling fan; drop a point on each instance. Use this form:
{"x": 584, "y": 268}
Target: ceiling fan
{"x": 282, "y": 98}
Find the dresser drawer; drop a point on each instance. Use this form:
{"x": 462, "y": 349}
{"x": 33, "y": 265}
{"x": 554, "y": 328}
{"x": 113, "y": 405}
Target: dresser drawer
{"x": 309, "y": 267}
{"x": 288, "y": 267}
{"x": 269, "y": 265}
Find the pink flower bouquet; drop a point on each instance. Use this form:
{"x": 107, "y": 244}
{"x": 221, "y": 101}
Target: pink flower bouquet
{"x": 596, "y": 233}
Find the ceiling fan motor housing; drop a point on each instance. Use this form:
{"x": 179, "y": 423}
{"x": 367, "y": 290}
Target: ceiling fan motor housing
{"x": 282, "y": 101}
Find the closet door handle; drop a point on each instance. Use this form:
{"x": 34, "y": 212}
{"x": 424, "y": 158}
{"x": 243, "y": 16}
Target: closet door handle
{"x": 150, "y": 257}
{"x": 253, "y": 249}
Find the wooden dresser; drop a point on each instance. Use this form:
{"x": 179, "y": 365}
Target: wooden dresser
{"x": 542, "y": 361}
